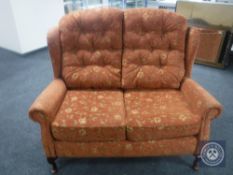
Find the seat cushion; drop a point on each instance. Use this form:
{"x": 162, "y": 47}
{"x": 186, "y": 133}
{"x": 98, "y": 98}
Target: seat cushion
{"x": 87, "y": 115}
{"x": 154, "y": 46}
{"x": 91, "y": 42}
{"x": 159, "y": 114}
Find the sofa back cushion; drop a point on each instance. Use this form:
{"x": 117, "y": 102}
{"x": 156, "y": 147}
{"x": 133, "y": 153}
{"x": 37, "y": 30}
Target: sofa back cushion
{"x": 154, "y": 45}
{"x": 91, "y": 42}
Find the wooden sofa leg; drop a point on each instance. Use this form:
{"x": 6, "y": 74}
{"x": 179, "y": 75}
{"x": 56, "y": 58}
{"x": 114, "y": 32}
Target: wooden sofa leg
{"x": 51, "y": 161}
{"x": 196, "y": 163}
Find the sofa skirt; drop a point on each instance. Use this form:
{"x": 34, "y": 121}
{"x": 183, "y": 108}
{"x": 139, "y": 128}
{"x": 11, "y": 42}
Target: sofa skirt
{"x": 179, "y": 146}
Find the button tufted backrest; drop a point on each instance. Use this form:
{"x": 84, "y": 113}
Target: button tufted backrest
{"x": 91, "y": 42}
{"x": 154, "y": 47}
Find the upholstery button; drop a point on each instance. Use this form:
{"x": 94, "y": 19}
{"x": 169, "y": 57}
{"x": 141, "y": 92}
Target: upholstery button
{"x": 172, "y": 45}
{"x": 140, "y": 74}
{"x": 163, "y": 59}
{"x": 161, "y": 71}
{"x": 75, "y": 76}
{"x": 96, "y": 69}
{"x": 97, "y": 54}
{"x": 125, "y": 61}
{"x": 107, "y": 40}
{"x": 146, "y": 16}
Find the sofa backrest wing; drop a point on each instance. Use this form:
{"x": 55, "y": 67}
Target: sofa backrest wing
{"x": 91, "y": 43}
{"x": 154, "y": 49}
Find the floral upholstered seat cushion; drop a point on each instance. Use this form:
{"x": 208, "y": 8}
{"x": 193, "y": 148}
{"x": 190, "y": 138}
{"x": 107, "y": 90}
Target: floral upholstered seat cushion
{"x": 159, "y": 114}
{"x": 87, "y": 115}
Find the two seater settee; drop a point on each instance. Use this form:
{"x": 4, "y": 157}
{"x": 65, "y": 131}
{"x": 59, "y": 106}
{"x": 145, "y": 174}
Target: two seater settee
{"x": 122, "y": 87}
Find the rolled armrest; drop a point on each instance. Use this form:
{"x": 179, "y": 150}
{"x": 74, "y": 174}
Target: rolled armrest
{"x": 48, "y": 102}
{"x": 200, "y": 100}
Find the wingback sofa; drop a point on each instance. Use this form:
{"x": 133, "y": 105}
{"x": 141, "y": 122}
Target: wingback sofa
{"x": 122, "y": 87}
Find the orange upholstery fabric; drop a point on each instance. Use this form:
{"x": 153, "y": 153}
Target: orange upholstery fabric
{"x": 154, "y": 43}
{"x": 92, "y": 48}
{"x": 180, "y": 146}
{"x": 159, "y": 114}
{"x": 54, "y": 46}
{"x": 192, "y": 46}
{"x": 203, "y": 104}
{"x": 200, "y": 100}
{"x": 88, "y": 115}
{"x": 122, "y": 86}
{"x": 44, "y": 109}
{"x": 48, "y": 102}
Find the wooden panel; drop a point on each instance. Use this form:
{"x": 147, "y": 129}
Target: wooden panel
{"x": 210, "y": 45}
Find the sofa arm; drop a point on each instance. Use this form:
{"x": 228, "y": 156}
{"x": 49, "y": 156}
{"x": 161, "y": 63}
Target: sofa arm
{"x": 46, "y": 105}
{"x": 200, "y": 100}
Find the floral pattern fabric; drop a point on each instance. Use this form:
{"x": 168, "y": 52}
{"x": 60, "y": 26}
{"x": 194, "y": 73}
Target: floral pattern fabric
{"x": 87, "y": 115}
{"x": 91, "y": 42}
{"x": 154, "y": 46}
{"x": 132, "y": 49}
{"x": 202, "y": 103}
{"x": 159, "y": 114}
{"x": 179, "y": 146}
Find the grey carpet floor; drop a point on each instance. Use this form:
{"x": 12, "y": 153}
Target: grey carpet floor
{"x": 21, "y": 80}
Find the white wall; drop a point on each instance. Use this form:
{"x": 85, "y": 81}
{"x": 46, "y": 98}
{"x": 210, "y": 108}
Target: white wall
{"x": 31, "y": 19}
{"x": 8, "y": 32}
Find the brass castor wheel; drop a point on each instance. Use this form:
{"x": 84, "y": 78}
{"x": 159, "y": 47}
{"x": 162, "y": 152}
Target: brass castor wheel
{"x": 51, "y": 161}
{"x": 53, "y": 171}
